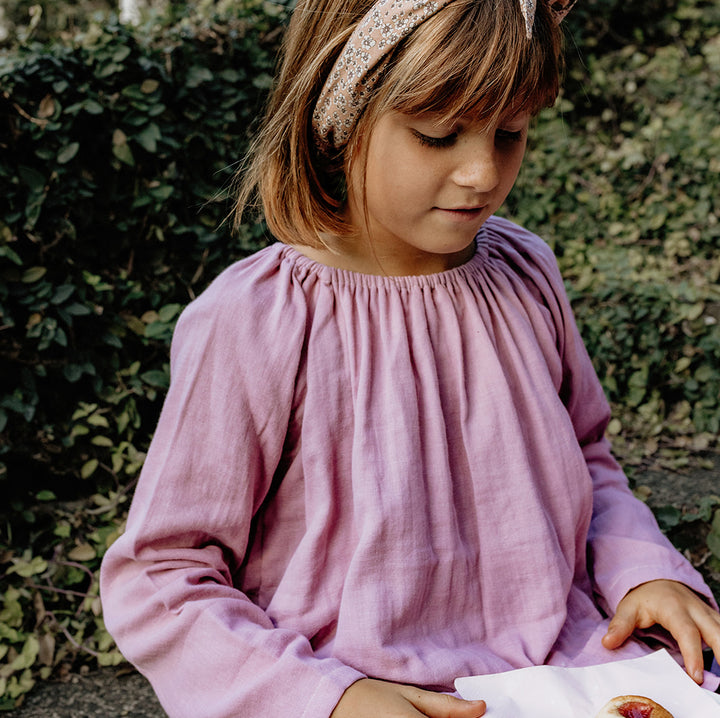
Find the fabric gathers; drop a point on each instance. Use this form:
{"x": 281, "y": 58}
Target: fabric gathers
{"x": 397, "y": 477}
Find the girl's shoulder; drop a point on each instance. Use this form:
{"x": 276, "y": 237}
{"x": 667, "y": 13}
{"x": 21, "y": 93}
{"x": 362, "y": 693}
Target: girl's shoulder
{"x": 248, "y": 286}
{"x": 502, "y": 234}
{"x": 246, "y": 279}
{"x": 524, "y": 252}
{"x": 249, "y": 302}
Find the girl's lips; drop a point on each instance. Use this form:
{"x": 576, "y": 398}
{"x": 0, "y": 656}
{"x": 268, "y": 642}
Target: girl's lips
{"x": 462, "y": 213}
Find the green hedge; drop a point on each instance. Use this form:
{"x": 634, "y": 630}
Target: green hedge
{"x": 118, "y": 150}
{"x": 624, "y": 181}
{"x": 118, "y": 154}
{"x": 116, "y": 173}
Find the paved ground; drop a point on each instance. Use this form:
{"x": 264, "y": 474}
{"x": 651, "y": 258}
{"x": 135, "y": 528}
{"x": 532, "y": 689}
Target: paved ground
{"x": 113, "y": 693}
{"x": 681, "y": 489}
{"x": 103, "y": 694}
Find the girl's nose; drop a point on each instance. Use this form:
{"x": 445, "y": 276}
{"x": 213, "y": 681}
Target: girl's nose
{"x": 478, "y": 166}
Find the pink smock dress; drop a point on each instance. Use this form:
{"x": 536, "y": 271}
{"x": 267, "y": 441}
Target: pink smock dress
{"x": 356, "y": 475}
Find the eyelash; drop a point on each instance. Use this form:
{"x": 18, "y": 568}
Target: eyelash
{"x": 437, "y": 142}
{"x": 446, "y": 141}
{"x": 509, "y": 135}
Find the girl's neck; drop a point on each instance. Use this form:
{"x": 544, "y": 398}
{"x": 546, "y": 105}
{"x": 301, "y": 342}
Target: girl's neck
{"x": 361, "y": 257}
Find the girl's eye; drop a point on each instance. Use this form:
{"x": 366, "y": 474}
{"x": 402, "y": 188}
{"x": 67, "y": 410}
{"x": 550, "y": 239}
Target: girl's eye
{"x": 509, "y": 135}
{"x": 438, "y": 142}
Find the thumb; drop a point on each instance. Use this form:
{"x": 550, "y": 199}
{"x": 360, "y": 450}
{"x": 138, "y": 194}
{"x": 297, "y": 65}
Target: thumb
{"x": 621, "y": 627}
{"x": 442, "y": 705}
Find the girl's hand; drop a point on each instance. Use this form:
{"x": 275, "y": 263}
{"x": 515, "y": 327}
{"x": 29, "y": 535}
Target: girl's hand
{"x": 369, "y": 698}
{"x": 676, "y": 608}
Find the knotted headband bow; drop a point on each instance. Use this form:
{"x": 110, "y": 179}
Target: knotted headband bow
{"x": 559, "y": 8}
{"x": 362, "y": 60}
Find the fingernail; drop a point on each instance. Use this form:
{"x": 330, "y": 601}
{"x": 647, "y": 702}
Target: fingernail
{"x": 699, "y": 676}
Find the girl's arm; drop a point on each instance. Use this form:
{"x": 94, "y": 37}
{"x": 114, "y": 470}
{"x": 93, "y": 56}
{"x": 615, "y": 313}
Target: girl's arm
{"x": 168, "y": 588}
{"x": 639, "y": 576}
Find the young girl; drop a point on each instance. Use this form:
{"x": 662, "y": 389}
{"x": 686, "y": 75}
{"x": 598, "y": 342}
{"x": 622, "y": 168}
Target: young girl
{"x": 381, "y": 464}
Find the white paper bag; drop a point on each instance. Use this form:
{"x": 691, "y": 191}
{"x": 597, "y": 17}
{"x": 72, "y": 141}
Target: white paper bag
{"x": 552, "y": 692}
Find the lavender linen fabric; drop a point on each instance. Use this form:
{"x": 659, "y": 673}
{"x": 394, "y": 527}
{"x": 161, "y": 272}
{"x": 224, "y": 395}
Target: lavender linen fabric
{"x": 400, "y": 477}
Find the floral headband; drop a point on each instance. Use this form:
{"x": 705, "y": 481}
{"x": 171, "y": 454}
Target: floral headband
{"x": 362, "y": 60}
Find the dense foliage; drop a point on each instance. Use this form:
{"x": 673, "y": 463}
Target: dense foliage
{"x": 623, "y": 181}
{"x": 119, "y": 149}
{"x": 118, "y": 152}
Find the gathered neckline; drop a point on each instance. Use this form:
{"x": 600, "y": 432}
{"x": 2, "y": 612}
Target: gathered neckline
{"x": 348, "y": 277}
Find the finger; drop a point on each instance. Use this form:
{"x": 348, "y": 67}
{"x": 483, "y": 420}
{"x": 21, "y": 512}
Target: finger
{"x": 689, "y": 642}
{"x": 711, "y": 635}
{"x": 691, "y": 622}
{"x": 442, "y": 705}
{"x": 708, "y": 622}
{"x": 622, "y": 625}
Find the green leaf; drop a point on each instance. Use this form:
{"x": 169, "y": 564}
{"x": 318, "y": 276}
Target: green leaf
{"x": 110, "y": 658}
{"x": 668, "y": 517}
{"x": 109, "y": 69}
{"x": 82, "y": 552}
{"x": 101, "y": 441}
{"x": 197, "y": 75}
{"x": 158, "y": 330}
{"x": 67, "y": 153}
{"x": 72, "y": 372}
{"x": 18, "y": 686}
{"x": 62, "y": 530}
{"x": 27, "y": 568}
{"x": 148, "y": 137}
{"x": 121, "y": 149}
{"x": 62, "y": 293}
{"x": 124, "y": 154}
{"x": 263, "y": 81}
{"x": 60, "y": 337}
{"x": 98, "y": 420}
{"x": 713, "y": 543}
{"x": 230, "y": 75}
{"x": 163, "y": 192}
{"x": 11, "y": 254}
{"x": 149, "y": 86}
{"x": 169, "y": 312}
{"x": 33, "y": 274}
{"x": 92, "y": 107}
{"x": 77, "y": 309}
{"x": 121, "y": 53}
{"x": 88, "y": 468}
{"x": 26, "y": 657}
{"x": 156, "y": 378}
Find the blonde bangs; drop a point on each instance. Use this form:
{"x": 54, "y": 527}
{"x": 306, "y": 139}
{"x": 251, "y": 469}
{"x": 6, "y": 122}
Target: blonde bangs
{"x": 474, "y": 59}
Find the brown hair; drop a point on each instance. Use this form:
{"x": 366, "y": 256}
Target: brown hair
{"x": 472, "y": 58}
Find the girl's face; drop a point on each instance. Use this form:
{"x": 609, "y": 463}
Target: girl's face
{"x": 429, "y": 186}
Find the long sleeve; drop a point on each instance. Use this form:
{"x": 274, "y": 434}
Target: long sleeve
{"x": 396, "y": 477}
{"x": 168, "y": 583}
{"x": 626, "y": 546}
